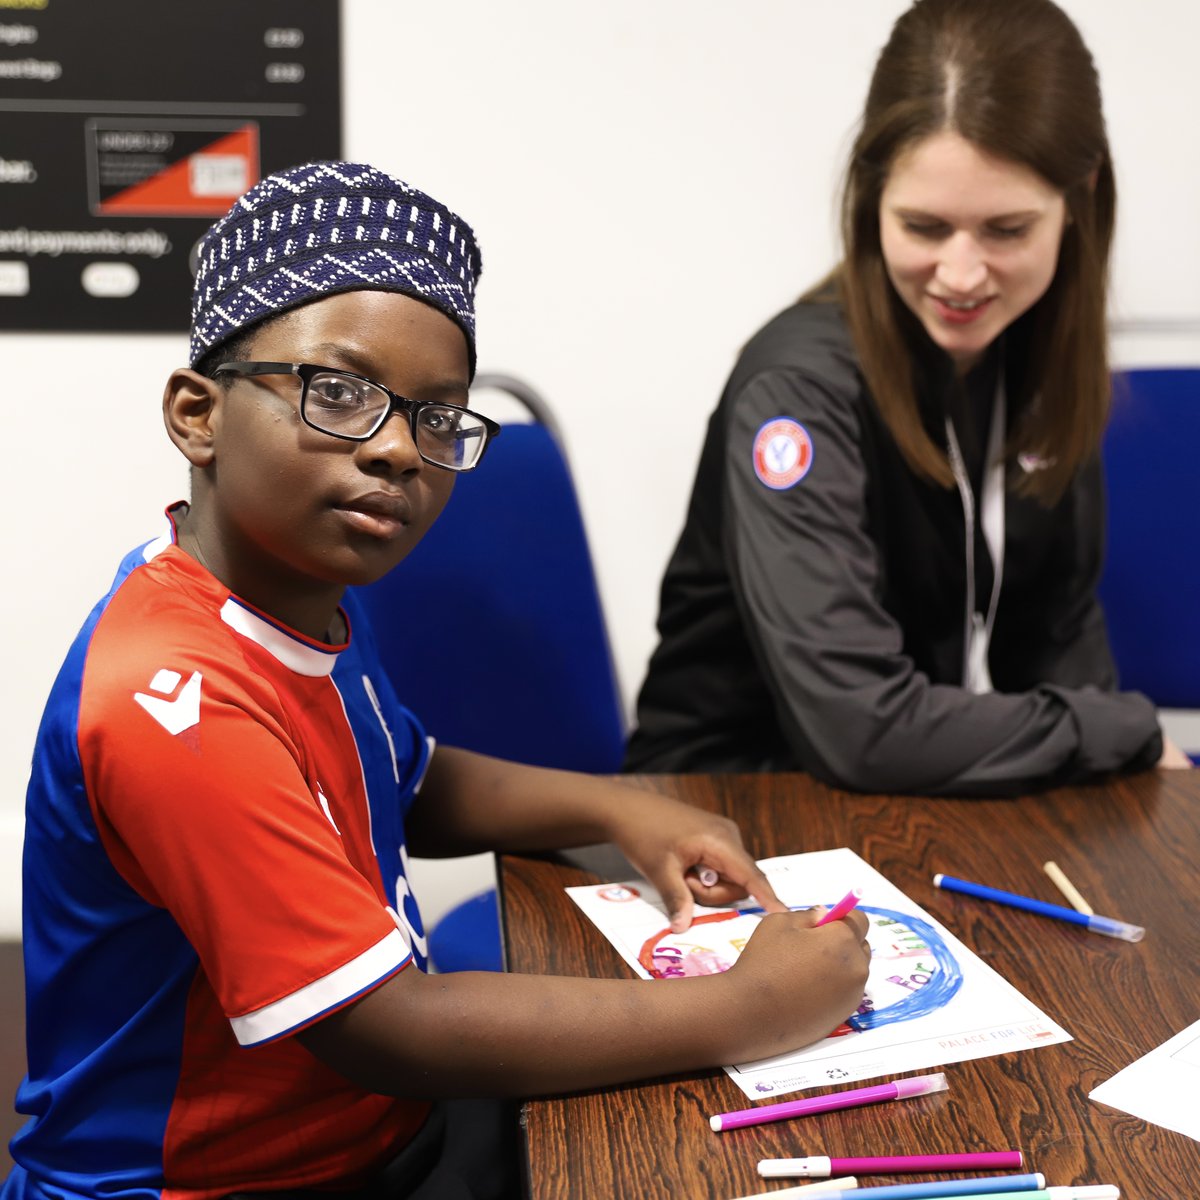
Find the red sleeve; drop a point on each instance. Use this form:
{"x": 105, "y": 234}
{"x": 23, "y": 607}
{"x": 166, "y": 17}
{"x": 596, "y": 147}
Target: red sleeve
{"x": 225, "y": 823}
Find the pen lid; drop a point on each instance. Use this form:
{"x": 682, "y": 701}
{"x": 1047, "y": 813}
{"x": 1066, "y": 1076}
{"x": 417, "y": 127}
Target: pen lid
{"x": 921, "y": 1085}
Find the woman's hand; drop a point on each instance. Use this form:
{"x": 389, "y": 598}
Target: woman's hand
{"x": 1172, "y": 756}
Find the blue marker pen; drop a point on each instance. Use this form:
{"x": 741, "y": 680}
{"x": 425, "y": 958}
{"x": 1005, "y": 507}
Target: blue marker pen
{"x": 1105, "y": 925}
{"x": 939, "y": 1188}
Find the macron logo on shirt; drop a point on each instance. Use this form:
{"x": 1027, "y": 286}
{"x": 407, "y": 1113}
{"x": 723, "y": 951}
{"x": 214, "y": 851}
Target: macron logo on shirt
{"x": 178, "y": 714}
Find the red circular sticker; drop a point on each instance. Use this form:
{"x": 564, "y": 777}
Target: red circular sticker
{"x": 618, "y": 893}
{"x": 783, "y": 453}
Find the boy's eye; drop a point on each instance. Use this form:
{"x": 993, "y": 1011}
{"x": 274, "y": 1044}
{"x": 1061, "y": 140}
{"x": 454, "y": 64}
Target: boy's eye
{"x": 333, "y": 391}
{"x": 440, "y": 422}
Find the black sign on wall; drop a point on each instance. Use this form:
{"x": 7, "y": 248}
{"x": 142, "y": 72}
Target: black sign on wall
{"x": 128, "y": 126}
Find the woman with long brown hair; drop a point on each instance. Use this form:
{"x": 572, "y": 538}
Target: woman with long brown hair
{"x": 887, "y": 576}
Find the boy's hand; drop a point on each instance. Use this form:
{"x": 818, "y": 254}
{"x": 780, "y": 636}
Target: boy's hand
{"x": 793, "y": 976}
{"x": 670, "y": 843}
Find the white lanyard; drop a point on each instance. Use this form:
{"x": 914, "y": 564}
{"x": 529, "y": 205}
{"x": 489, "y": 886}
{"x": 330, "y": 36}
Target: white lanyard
{"x": 977, "y": 631}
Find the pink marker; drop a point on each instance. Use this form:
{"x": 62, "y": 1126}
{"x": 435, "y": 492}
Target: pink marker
{"x": 841, "y": 908}
{"x": 817, "y": 1166}
{"x": 899, "y": 1089}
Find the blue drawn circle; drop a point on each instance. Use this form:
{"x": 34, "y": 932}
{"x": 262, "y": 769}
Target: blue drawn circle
{"x": 937, "y": 993}
{"x": 942, "y": 987}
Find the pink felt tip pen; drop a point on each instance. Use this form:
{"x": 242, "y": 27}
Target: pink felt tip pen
{"x": 841, "y": 908}
{"x": 899, "y": 1089}
{"x": 817, "y": 1166}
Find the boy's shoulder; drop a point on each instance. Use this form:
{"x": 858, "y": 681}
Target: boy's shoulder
{"x": 158, "y": 597}
{"x": 149, "y": 637}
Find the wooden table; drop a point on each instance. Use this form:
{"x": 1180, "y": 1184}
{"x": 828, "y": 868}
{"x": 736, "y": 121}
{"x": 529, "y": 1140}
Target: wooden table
{"x": 1132, "y": 847}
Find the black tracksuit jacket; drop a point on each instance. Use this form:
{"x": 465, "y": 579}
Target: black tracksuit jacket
{"x": 820, "y": 627}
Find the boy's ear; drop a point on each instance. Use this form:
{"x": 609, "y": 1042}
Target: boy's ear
{"x": 190, "y": 404}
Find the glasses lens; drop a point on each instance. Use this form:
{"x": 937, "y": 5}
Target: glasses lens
{"x": 450, "y": 437}
{"x": 344, "y": 406}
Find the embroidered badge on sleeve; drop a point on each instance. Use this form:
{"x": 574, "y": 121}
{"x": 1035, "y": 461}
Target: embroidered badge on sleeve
{"x": 783, "y": 453}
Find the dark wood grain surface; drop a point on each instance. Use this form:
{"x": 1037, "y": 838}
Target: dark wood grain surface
{"x": 1131, "y": 846}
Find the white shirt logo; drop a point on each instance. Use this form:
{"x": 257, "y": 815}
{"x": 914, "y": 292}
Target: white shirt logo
{"x": 324, "y": 803}
{"x": 178, "y": 714}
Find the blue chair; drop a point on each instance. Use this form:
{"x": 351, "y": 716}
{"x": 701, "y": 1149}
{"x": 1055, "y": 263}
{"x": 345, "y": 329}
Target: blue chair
{"x": 1150, "y": 589}
{"x": 528, "y": 674}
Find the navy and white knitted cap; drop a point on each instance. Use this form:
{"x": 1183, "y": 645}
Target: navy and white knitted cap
{"x": 328, "y": 227}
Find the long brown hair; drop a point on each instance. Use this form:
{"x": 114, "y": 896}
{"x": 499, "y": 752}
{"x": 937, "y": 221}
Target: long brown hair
{"x": 1015, "y": 78}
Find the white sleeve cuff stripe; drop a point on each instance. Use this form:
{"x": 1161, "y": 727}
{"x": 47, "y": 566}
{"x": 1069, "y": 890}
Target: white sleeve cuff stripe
{"x": 322, "y": 995}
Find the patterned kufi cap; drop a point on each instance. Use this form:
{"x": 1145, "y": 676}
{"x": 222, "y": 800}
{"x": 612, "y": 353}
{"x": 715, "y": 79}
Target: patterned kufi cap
{"x": 329, "y": 227}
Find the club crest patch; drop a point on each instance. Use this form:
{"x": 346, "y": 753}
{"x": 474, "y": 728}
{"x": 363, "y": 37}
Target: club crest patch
{"x": 783, "y": 453}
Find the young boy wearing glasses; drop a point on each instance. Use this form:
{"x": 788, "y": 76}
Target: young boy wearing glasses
{"x": 225, "y": 965}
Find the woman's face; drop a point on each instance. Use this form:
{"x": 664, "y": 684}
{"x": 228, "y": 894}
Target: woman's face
{"x": 970, "y": 241}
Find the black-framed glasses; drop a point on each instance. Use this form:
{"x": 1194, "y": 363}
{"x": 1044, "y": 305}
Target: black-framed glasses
{"x": 354, "y": 408}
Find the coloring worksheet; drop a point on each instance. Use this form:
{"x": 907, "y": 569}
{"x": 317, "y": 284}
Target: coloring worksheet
{"x": 929, "y": 1000}
{"x": 1161, "y": 1086}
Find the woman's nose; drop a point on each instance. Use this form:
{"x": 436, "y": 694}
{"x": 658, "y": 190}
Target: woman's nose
{"x": 961, "y": 268}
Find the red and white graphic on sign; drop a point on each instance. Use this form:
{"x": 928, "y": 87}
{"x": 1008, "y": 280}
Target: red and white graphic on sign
{"x": 203, "y": 183}
{"x": 783, "y": 453}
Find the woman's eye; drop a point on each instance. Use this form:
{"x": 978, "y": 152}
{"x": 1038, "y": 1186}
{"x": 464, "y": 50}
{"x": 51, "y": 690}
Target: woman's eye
{"x": 925, "y": 229}
{"x": 1008, "y": 232}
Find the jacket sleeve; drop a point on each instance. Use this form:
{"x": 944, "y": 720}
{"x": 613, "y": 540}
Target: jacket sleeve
{"x": 852, "y": 705}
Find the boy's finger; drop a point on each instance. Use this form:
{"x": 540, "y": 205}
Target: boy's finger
{"x": 679, "y": 903}
{"x": 859, "y": 921}
{"x": 759, "y": 886}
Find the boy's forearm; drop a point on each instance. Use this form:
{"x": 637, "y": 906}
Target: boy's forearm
{"x": 480, "y": 1033}
{"x": 474, "y": 1033}
{"x": 469, "y": 802}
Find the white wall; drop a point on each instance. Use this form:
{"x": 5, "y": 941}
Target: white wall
{"x": 649, "y": 182}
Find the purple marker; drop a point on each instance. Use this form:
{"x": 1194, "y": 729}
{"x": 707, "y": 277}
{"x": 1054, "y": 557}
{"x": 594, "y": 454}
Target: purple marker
{"x": 899, "y": 1089}
{"x": 841, "y": 908}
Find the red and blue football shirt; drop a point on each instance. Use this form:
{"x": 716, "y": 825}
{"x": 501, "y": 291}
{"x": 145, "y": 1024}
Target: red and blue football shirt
{"x": 214, "y": 859}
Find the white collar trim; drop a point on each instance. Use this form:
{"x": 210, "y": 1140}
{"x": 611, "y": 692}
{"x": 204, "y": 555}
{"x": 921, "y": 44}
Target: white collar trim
{"x": 296, "y": 655}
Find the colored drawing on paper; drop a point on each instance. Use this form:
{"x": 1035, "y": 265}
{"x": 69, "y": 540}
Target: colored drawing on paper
{"x": 929, "y": 980}
{"x": 929, "y": 1000}
{"x": 710, "y": 946}
{"x": 913, "y": 972}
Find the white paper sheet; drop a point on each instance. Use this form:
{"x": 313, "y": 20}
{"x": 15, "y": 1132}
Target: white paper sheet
{"x": 1160, "y": 1087}
{"x": 929, "y": 999}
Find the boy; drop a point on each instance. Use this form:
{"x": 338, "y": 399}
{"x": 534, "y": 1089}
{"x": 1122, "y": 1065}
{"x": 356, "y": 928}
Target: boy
{"x": 224, "y": 961}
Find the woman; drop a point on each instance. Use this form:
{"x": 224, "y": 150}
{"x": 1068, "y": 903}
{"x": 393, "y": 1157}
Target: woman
{"x": 887, "y": 575}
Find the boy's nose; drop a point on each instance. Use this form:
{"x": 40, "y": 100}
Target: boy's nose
{"x": 393, "y": 445}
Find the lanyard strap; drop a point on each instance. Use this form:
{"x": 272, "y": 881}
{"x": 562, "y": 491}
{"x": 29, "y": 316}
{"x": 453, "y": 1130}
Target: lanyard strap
{"x": 977, "y": 631}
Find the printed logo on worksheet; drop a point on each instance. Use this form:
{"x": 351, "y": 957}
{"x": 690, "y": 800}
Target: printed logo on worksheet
{"x": 618, "y": 893}
{"x": 783, "y": 453}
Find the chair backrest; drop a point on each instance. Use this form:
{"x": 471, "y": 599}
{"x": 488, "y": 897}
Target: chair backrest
{"x": 1150, "y": 589}
{"x": 503, "y": 646}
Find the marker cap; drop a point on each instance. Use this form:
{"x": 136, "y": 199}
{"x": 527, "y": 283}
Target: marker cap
{"x": 814, "y": 1166}
{"x": 921, "y": 1085}
{"x": 1117, "y": 929}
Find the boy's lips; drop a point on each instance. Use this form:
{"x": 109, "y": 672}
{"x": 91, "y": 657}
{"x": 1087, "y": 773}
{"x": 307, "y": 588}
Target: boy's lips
{"x": 377, "y": 512}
